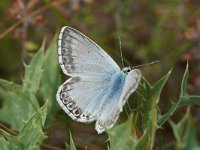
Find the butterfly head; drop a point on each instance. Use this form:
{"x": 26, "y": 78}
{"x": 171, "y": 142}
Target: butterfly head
{"x": 126, "y": 69}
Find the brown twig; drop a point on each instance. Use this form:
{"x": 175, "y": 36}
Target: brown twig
{"x": 2, "y": 126}
{"x": 10, "y": 131}
{"x": 50, "y": 146}
{"x": 36, "y": 12}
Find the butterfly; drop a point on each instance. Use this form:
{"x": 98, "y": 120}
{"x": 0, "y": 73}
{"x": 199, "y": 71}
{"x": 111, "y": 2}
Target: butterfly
{"x": 97, "y": 88}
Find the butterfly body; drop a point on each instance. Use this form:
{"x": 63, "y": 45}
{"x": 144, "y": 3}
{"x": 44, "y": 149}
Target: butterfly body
{"x": 97, "y": 88}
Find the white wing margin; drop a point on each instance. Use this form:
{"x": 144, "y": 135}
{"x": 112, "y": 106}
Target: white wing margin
{"x": 79, "y": 55}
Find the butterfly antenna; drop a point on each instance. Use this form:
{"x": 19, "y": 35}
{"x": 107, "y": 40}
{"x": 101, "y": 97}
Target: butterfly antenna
{"x": 147, "y": 64}
{"x": 120, "y": 48}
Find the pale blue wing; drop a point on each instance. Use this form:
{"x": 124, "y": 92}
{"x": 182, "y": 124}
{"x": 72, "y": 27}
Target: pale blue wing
{"x": 123, "y": 86}
{"x": 79, "y": 55}
{"x": 80, "y": 97}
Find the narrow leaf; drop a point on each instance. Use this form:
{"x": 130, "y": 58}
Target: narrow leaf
{"x": 51, "y": 78}
{"x": 121, "y": 136}
{"x": 8, "y": 86}
{"x": 184, "y": 82}
{"x": 150, "y": 113}
{"x": 71, "y": 146}
{"x": 185, "y": 133}
{"x": 143, "y": 142}
{"x": 21, "y": 104}
{"x": 33, "y": 71}
{"x": 178, "y": 128}
{"x": 188, "y": 100}
{"x": 31, "y": 134}
{"x": 3, "y": 144}
{"x": 19, "y": 110}
{"x": 183, "y": 100}
{"x": 163, "y": 118}
{"x": 158, "y": 86}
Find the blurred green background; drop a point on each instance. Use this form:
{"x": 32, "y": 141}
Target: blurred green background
{"x": 164, "y": 30}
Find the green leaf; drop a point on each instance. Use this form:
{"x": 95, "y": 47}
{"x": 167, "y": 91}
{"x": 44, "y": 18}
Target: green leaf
{"x": 3, "y": 144}
{"x": 31, "y": 134}
{"x": 183, "y": 100}
{"x": 145, "y": 91}
{"x": 121, "y": 136}
{"x": 143, "y": 143}
{"x": 19, "y": 110}
{"x": 71, "y": 146}
{"x": 9, "y": 86}
{"x": 178, "y": 128}
{"x": 163, "y": 118}
{"x": 186, "y": 100}
{"x": 185, "y": 133}
{"x": 158, "y": 86}
{"x": 33, "y": 72}
{"x": 51, "y": 78}
{"x": 184, "y": 82}
{"x": 149, "y": 112}
{"x": 20, "y": 104}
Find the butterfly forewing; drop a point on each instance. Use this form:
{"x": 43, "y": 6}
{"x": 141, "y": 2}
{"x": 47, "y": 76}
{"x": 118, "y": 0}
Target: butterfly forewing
{"x": 78, "y": 55}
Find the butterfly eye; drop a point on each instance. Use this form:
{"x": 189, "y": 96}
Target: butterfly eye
{"x": 126, "y": 70}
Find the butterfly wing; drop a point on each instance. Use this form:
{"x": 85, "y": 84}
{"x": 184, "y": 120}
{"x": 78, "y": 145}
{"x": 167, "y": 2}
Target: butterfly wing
{"x": 80, "y": 97}
{"x": 90, "y": 69}
{"x": 78, "y": 55}
{"x": 114, "y": 103}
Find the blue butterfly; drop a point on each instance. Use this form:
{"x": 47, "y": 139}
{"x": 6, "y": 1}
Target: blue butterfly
{"x": 97, "y": 88}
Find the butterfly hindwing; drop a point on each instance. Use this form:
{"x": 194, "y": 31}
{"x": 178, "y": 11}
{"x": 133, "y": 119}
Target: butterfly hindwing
{"x": 80, "y": 97}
